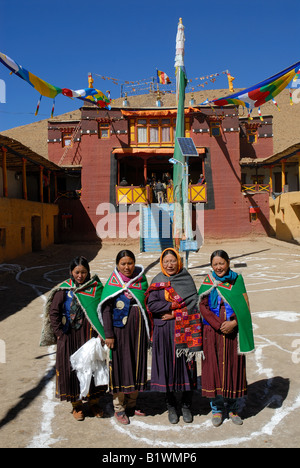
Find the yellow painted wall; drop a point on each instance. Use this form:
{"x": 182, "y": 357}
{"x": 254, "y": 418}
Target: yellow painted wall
{"x": 285, "y": 216}
{"x": 16, "y": 226}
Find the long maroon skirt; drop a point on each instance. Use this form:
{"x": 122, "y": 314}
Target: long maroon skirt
{"x": 128, "y": 366}
{"x": 67, "y": 383}
{"x": 223, "y": 369}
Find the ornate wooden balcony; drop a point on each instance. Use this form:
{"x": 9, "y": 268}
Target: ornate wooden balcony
{"x": 128, "y": 195}
{"x": 255, "y": 188}
{"x": 197, "y": 194}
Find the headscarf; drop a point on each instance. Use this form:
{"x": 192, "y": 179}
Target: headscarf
{"x": 179, "y": 260}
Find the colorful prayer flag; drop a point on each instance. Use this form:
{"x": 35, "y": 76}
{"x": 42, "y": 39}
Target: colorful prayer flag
{"x": 259, "y": 94}
{"x": 162, "y": 77}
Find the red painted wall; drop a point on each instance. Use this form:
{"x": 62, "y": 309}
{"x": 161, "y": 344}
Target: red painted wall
{"x": 227, "y": 211}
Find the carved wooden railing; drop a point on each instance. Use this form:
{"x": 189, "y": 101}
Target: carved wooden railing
{"x": 255, "y": 188}
{"x": 197, "y": 194}
{"x": 131, "y": 194}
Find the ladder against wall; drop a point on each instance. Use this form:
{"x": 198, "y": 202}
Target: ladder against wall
{"x": 156, "y": 227}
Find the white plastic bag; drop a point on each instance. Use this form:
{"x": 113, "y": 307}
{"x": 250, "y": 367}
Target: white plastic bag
{"x": 88, "y": 361}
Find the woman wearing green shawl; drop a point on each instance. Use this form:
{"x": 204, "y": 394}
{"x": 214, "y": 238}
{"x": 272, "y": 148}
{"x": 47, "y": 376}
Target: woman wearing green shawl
{"x": 123, "y": 315}
{"x": 70, "y": 321}
{"x": 227, "y": 337}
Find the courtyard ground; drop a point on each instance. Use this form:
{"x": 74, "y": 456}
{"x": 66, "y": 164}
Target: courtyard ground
{"x": 31, "y": 416}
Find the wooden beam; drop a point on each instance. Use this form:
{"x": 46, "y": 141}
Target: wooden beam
{"x": 282, "y": 174}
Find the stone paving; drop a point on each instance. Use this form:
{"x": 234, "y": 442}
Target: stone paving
{"x": 31, "y": 416}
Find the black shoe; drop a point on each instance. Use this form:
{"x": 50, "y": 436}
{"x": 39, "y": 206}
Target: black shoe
{"x": 173, "y": 416}
{"x": 187, "y": 415}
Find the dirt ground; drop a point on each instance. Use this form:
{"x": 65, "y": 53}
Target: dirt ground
{"x": 31, "y": 416}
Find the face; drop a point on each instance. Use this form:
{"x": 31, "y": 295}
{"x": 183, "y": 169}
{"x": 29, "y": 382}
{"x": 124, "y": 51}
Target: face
{"x": 170, "y": 264}
{"x": 80, "y": 274}
{"x": 126, "y": 266}
{"x": 220, "y": 266}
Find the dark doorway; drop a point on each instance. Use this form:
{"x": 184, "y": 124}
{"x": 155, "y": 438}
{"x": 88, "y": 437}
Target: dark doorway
{"x": 36, "y": 238}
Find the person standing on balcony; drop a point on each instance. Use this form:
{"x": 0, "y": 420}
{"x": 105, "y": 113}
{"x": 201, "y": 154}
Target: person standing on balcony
{"x": 160, "y": 192}
{"x": 201, "y": 180}
{"x": 123, "y": 182}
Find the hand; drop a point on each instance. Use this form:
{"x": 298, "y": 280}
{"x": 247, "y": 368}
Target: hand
{"x": 168, "y": 316}
{"x": 228, "y": 326}
{"x": 110, "y": 343}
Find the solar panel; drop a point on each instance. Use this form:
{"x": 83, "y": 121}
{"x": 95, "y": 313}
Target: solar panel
{"x": 187, "y": 146}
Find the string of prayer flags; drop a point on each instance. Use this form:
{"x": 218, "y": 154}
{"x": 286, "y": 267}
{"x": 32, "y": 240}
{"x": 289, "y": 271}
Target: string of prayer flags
{"x": 259, "y": 94}
{"x": 51, "y": 91}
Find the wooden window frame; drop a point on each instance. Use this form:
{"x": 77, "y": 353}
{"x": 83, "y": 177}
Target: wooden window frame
{"x": 146, "y": 123}
{"x": 101, "y": 128}
{"x": 215, "y": 126}
{"x": 252, "y": 133}
{"x": 66, "y": 136}
{"x": 169, "y": 125}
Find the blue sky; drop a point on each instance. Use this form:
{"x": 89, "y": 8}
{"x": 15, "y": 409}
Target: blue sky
{"x": 61, "y": 41}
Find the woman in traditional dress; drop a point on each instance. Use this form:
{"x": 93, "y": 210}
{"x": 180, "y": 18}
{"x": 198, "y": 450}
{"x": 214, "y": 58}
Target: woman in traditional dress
{"x": 227, "y": 337}
{"x": 123, "y": 314}
{"x": 172, "y": 301}
{"x": 70, "y": 317}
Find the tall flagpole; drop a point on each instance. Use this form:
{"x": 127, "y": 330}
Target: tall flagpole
{"x": 179, "y": 172}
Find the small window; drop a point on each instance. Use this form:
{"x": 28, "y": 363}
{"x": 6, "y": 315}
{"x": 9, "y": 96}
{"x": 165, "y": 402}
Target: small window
{"x": 166, "y": 134}
{"x": 252, "y": 136}
{"x": 215, "y": 129}
{"x": 66, "y": 139}
{"x": 154, "y": 135}
{"x": 257, "y": 179}
{"x": 166, "y": 130}
{"x": 142, "y": 131}
{"x": 103, "y": 130}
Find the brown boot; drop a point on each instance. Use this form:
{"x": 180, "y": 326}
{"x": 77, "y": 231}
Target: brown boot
{"x": 78, "y": 413}
{"x": 96, "y": 411}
